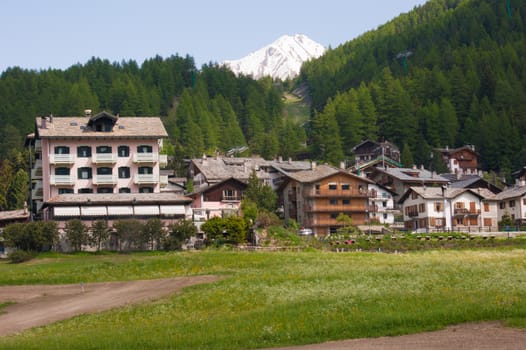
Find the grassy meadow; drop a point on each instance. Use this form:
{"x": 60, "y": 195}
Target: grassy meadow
{"x": 276, "y": 299}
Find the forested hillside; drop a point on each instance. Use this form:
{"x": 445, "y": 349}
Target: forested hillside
{"x": 448, "y": 73}
{"x": 204, "y": 110}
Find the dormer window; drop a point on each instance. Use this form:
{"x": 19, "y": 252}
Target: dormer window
{"x": 103, "y": 122}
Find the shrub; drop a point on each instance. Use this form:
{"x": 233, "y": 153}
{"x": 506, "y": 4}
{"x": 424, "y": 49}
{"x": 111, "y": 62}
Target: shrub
{"x": 20, "y": 256}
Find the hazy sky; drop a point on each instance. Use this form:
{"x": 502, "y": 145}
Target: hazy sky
{"x": 40, "y": 34}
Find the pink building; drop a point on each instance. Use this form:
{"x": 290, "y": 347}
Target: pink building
{"x": 96, "y": 154}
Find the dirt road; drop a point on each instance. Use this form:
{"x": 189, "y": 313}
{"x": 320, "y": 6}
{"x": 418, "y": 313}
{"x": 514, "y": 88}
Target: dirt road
{"x": 38, "y": 305}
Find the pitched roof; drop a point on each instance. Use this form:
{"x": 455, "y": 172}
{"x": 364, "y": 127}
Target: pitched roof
{"x": 413, "y": 175}
{"x": 206, "y": 188}
{"x": 512, "y": 192}
{"x": 449, "y": 193}
{"x": 321, "y": 172}
{"x": 125, "y": 127}
{"x": 118, "y": 199}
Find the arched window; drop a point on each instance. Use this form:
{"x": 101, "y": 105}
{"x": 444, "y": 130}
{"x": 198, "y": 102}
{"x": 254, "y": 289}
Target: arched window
{"x": 124, "y": 172}
{"x": 123, "y": 151}
{"x": 84, "y": 151}
{"x": 144, "y": 170}
{"x": 62, "y": 171}
{"x": 104, "y": 171}
{"x": 144, "y": 149}
{"x": 61, "y": 150}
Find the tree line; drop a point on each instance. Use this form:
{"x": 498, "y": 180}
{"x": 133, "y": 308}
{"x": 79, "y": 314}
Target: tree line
{"x": 448, "y": 73}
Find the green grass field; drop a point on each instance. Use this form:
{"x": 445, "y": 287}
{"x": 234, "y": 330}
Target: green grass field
{"x": 271, "y": 299}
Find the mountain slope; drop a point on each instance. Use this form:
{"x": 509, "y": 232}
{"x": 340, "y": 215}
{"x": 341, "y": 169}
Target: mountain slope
{"x": 464, "y": 83}
{"x": 280, "y": 60}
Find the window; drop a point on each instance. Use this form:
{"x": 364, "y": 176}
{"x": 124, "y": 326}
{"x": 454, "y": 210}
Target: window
{"x": 486, "y": 207}
{"x": 502, "y": 205}
{"x": 103, "y": 149}
{"x": 384, "y": 204}
{"x": 85, "y": 190}
{"x": 104, "y": 171}
{"x": 439, "y": 206}
{"x": 229, "y": 195}
{"x": 334, "y": 215}
{"x": 333, "y": 186}
{"x": 524, "y": 201}
{"x": 144, "y": 149}
{"x": 124, "y": 172}
{"x": 421, "y": 208}
{"x": 346, "y": 201}
{"x": 317, "y": 188}
{"x": 62, "y": 171}
{"x": 61, "y": 150}
{"x": 385, "y": 216}
{"x": 414, "y": 195}
{"x": 144, "y": 170}
{"x": 65, "y": 190}
{"x": 333, "y": 201}
{"x": 124, "y": 190}
{"x": 104, "y": 190}
{"x": 84, "y": 151}
{"x": 123, "y": 151}
{"x": 84, "y": 173}
{"x": 146, "y": 190}
{"x": 487, "y": 222}
{"x": 346, "y": 187}
{"x": 512, "y": 204}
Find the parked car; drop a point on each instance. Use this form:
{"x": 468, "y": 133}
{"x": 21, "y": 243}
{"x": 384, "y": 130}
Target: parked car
{"x": 305, "y": 232}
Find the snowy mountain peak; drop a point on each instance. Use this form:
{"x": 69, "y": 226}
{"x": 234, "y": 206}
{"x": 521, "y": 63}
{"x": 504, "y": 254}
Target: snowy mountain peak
{"x": 280, "y": 60}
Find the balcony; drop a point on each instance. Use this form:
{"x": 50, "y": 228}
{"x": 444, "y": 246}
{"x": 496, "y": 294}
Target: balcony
{"x": 145, "y": 179}
{"x": 38, "y": 145}
{"x": 163, "y": 160}
{"x": 104, "y": 180}
{"x": 37, "y": 192}
{"x": 465, "y": 211}
{"x": 36, "y": 173}
{"x": 150, "y": 158}
{"x": 61, "y": 158}
{"x": 104, "y": 158}
{"x": 351, "y": 193}
{"x": 163, "y": 180}
{"x": 61, "y": 180}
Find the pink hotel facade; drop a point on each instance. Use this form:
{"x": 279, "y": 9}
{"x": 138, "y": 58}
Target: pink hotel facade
{"x": 99, "y": 154}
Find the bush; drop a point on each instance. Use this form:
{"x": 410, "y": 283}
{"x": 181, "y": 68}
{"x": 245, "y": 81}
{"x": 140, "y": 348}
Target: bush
{"x": 20, "y": 256}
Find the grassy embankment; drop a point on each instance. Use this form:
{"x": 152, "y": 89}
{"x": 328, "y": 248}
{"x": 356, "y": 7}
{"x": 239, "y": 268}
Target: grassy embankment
{"x": 271, "y": 299}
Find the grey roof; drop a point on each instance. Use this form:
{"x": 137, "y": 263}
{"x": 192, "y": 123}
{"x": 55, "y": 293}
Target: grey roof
{"x": 118, "y": 198}
{"x": 449, "y": 193}
{"x": 414, "y": 175}
{"x": 219, "y": 168}
{"x": 125, "y": 127}
{"x": 512, "y": 192}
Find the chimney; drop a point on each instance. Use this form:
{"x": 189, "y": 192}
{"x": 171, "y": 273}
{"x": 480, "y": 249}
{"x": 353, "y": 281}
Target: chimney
{"x": 203, "y": 159}
{"x": 342, "y": 165}
{"x": 87, "y": 113}
{"x": 280, "y": 159}
{"x": 51, "y": 118}
{"x": 44, "y": 122}
{"x": 312, "y": 165}
{"x": 290, "y": 160}
{"x": 414, "y": 166}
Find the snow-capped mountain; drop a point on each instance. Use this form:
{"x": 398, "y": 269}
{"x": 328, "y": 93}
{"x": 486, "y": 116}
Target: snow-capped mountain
{"x": 281, "y": 60}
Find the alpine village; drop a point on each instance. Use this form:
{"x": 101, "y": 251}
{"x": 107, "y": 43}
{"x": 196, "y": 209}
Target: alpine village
{"x": 416, "y": 128}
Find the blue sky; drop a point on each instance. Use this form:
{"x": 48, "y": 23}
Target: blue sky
{"x": 40, "y": 34}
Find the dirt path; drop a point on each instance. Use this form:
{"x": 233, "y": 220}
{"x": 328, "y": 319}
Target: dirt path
{"x": 38, "y": 305}
{"x": 468, "y": 336}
